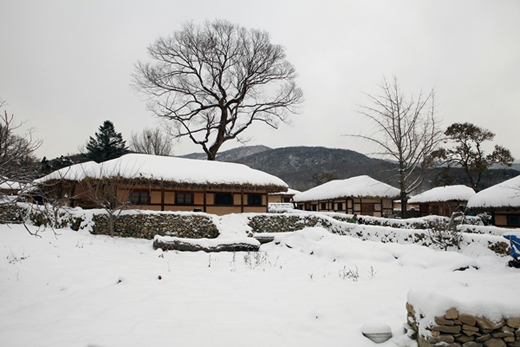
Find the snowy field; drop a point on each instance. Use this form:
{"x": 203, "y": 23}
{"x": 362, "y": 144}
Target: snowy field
{"x": 313, "y": 288}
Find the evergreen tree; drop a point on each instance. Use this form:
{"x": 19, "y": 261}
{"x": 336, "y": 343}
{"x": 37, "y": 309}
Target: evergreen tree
{"x": 466, "y": 151}
{"x": 107, "y": 145}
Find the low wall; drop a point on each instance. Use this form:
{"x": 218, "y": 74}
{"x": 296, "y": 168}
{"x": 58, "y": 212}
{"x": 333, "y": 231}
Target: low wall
{"x": 458, "y": 329}
{"x": 140, "y": 224}
{"x": 147, "y": 225}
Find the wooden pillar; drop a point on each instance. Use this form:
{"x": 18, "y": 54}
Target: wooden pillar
{"x": 162, "y": 198}
{"x": 204, "y": 206}
{"x": 72, "y": 190}
{"x": 241, "y": 201}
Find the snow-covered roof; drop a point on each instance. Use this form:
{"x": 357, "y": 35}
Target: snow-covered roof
{"x": 505, "y": 194}
{"x": 446, "y": 193}
{"x": 11, "y": 185}
{"x": 178, "y": 170}
{"x": 360, "y": 186}
{"x": 289, "y": 191}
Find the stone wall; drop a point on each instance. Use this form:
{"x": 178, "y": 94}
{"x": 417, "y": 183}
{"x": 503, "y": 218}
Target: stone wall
{"x": 273, "y": 223}
{"x": 457, "y": 329}
{"x": 201, "y": 225}
{"x": 147, "y": 225}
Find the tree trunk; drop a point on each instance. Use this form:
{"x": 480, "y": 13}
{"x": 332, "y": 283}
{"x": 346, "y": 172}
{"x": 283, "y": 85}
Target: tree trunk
{"x": 111, "y": 225}
{"x": 404, "y": 204}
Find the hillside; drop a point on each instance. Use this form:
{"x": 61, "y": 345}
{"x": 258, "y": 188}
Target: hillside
{"x": 301, "y": 167}
{"x": 232, "y": 154}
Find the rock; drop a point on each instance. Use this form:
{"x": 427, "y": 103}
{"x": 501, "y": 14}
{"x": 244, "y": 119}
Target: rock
{"x": 502, "y": 334}
{"x": 472, "y": 344}
{"x": 465, "y": 338}
{"x": 184, "y": 245}
{"x": 468, "y": 319}
{"x": 486, "y": 324}
{"x": 513, "y": 322}
{"x": 441, "y": 338}
{"x": 454, "y": 329}
{"x": 495, "y": 343}
{"x": 483, "y": 338}
{"x": 443, "y": 321}
{"x": 421, "y": 342}
{"x": 376, "y": 332}
{"x": 410, "y": 309}
{"x": 469, "y": 328}
{"x": 452, "y": 313}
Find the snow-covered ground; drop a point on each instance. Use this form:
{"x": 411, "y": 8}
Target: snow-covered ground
{"x": 312, "y": 288}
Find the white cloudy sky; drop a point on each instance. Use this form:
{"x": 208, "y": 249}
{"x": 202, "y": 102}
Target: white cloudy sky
{"x": 66, "y": 65}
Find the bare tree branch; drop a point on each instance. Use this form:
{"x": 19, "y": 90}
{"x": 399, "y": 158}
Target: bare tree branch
{"x": 407, "y": 132}
{"x": 215, "y": 80}
{"x": 151, "y": 141}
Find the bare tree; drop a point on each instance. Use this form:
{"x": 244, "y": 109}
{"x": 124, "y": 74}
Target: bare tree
{"x": 17, "y": 161}
{"x": 213, "y": 81}
{"x": 107, "y": 194}
{"x": 90, "y": 186}
{"x": 151, "y": 141}
{"x": 406, "y": 131}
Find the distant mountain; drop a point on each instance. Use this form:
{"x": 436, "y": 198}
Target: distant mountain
{"x": 232, "y": 154}
{"x": 303, "y": 167}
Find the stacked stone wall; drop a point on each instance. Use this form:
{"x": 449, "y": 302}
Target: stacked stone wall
{"x": 145, "y": 225}
{"x": 457, "y": 329}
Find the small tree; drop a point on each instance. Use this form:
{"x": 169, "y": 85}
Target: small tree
{"x": 106, "y": 194}
{"x": 151, "y": 141}
{"x": 213, "y": 81}
{"x": 17, "y": 160}
{"x": 107, "y": 145}
{"x": 406, "y": 131}
{"x": 467, "y": 152}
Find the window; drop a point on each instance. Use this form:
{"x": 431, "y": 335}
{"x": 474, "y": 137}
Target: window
{"x": 254, "y": 199}
{"x": 340, "y": 206}
{"x": 182, "y": 198}
{"x": 513, "y": 220}
{"x": 140, "y": 197}
{"x": 224, "y": 199}
{"x": 323, "y": 206}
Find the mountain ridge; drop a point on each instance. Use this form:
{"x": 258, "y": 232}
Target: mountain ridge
{"x": 303, "y": 167}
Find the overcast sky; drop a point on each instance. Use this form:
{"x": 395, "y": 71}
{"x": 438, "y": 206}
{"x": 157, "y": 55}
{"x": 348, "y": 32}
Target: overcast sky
{"x": 66, "y": 66}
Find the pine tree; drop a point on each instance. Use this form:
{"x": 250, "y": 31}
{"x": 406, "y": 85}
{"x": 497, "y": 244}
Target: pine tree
{"x": 107, "y": 145}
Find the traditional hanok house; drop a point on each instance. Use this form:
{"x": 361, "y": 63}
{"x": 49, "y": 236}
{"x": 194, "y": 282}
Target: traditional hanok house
{"x": 161, "y": 183}
{"x": 502, "y": 201}
{"x": 8, "y": 187}
{"x": 283, "y": 197}
{"x": 442, "y": 201}
{"x": 362, "y": 195}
